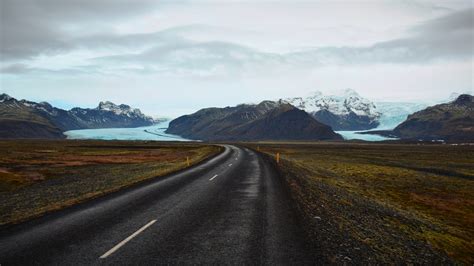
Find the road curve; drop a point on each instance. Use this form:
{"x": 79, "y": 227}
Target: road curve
{"x": 232, "y": 209}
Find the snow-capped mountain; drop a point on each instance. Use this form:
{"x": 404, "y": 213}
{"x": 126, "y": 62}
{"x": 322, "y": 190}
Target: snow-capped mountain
{"x": 122, "y": 109}
{"x": 343, "y": 111}
{"x": 106, "y": 115}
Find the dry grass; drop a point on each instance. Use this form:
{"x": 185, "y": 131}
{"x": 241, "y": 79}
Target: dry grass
{"x": 430, "y": 187}
{"x": 37, "y": 177}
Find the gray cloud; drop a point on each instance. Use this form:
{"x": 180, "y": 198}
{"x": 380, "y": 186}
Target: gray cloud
{"x": 19, "y": 69}
{"x": 15, "y": 69}
{"x": 185, "y": 55}
{"x": 29, "y": 28}
{"x": 446, "y": 38}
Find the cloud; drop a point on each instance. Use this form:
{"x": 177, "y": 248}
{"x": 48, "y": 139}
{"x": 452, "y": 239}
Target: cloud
{"x": 22, "y": 69}
{"x": 181, "y": 56}
{"x": 446, "y": 38}
{"x": 15, "y": 69}
{"x": 30, "y": 28}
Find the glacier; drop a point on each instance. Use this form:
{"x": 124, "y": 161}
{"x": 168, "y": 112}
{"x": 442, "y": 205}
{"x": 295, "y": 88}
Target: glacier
{"x": 392, "y": 114}
{"x": 154, "y": 132}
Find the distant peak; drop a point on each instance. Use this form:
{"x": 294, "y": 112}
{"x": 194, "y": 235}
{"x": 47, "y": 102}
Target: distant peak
{"x": 464, "y": 99}
{"x": 345, "y": 93}
{"x": 106, "y": 105}
{"x": 46, "y": 104}
{"x": 5, "y": 97}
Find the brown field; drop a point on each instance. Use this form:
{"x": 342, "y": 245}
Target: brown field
{"x": 37, "y": 177}
{"x": 383, "y": 202}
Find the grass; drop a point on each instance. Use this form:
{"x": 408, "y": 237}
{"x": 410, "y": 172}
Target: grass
{"x": 408, "y": 194}
{"x": 37, "y": 177}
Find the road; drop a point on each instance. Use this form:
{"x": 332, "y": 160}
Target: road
{"x": 231, "y": 209}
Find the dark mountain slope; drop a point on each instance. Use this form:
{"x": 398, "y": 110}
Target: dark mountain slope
{"x": 452, "y": 121}
{"x": 41, "y": 120}
{"x": 265, "y": 121}
{"x": 18, "y": 129}
{"x": 21, "y": 121}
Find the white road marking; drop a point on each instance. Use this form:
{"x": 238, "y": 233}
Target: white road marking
{"x": 119, "y": 245}
{"x": 212, "y": 178}
{"x": 230, "y": 165}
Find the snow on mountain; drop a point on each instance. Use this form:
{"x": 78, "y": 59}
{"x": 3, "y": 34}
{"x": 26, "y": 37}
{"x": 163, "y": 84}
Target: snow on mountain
{"x": 340, "y": 104}
{"x": 122, "y": 109}
{"x": 106, "y": 115}
{"x": 394, "y": 113}
{"x": 345, "y": 110}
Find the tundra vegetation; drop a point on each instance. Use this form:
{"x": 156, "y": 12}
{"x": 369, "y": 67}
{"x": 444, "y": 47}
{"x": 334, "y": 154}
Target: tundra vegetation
{"x": 37, "y": 177}
{"x": 383, "y": 202}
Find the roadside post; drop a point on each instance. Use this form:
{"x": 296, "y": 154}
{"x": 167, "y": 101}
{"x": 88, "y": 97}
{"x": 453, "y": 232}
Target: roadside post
{"x": 187, "y": 161}
{"x": 278, "y": 157}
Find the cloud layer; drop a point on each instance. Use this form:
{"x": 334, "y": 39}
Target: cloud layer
{"x": 290, "y": 46}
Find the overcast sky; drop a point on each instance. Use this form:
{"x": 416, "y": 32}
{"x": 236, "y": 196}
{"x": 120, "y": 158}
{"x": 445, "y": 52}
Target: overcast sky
{"x": 174, "y": 57}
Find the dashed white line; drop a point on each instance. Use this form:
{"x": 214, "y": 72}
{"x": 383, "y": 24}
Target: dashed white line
{"x": 212, "y": 177}
{"x": 230, "y": 165}
{"x": 119, "y": 245}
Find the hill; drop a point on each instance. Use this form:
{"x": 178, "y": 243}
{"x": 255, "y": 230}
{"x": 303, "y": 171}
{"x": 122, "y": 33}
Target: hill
{"x": 267, "y": 120}
{"x": 27, "y": 119}
{"x": 453, "y": 121}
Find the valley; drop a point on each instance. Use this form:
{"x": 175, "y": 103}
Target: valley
{"x": 237, "y": 132}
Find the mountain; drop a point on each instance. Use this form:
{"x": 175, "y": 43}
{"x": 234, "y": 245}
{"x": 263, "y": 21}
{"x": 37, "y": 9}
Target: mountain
{"x": 108, "y": 115}
{"x": 452, "y": 121}
{"x": 20, "y": 121}
{"x": 22, "y": 114}
{"x": 394, "y": 113}
{"x": 346, "y": 111}
{"x": 267, "y": 120}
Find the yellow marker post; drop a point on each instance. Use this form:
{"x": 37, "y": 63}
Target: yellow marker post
{"x": 187, "y": 160}
{"x": 278, "y": 157}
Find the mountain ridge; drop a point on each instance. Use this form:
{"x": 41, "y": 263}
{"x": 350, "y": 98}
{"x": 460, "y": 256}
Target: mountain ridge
{"x": 344, "y": 111}
{"x": 267, "y": 120}
{"x": 452, "y": 121}
{"x": 49, "y": 119}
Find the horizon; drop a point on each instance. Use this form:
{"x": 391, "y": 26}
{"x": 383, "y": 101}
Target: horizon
{"x": 173, "y": 58}
{"x": 66, "y": 106}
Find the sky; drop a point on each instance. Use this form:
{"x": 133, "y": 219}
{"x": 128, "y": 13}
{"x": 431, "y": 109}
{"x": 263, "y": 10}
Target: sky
{"x": 174, "y": 57}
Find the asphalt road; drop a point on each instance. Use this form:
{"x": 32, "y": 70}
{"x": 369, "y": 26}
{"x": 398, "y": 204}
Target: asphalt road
{"x": 232, "y": 209}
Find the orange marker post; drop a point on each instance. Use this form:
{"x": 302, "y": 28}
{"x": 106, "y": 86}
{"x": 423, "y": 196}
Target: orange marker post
{"x": 278, "y": 157}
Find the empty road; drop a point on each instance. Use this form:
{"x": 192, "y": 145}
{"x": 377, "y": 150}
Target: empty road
{"x": 231, "y": 209}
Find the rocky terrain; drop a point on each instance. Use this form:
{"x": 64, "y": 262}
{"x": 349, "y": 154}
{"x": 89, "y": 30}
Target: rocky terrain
{"x": 386, "y": 204}
{"x": 27, "y": 119}
{"x": 267, "y": 120}
{"x": 452, "y": 121}
{"x": 345, "y": 111}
